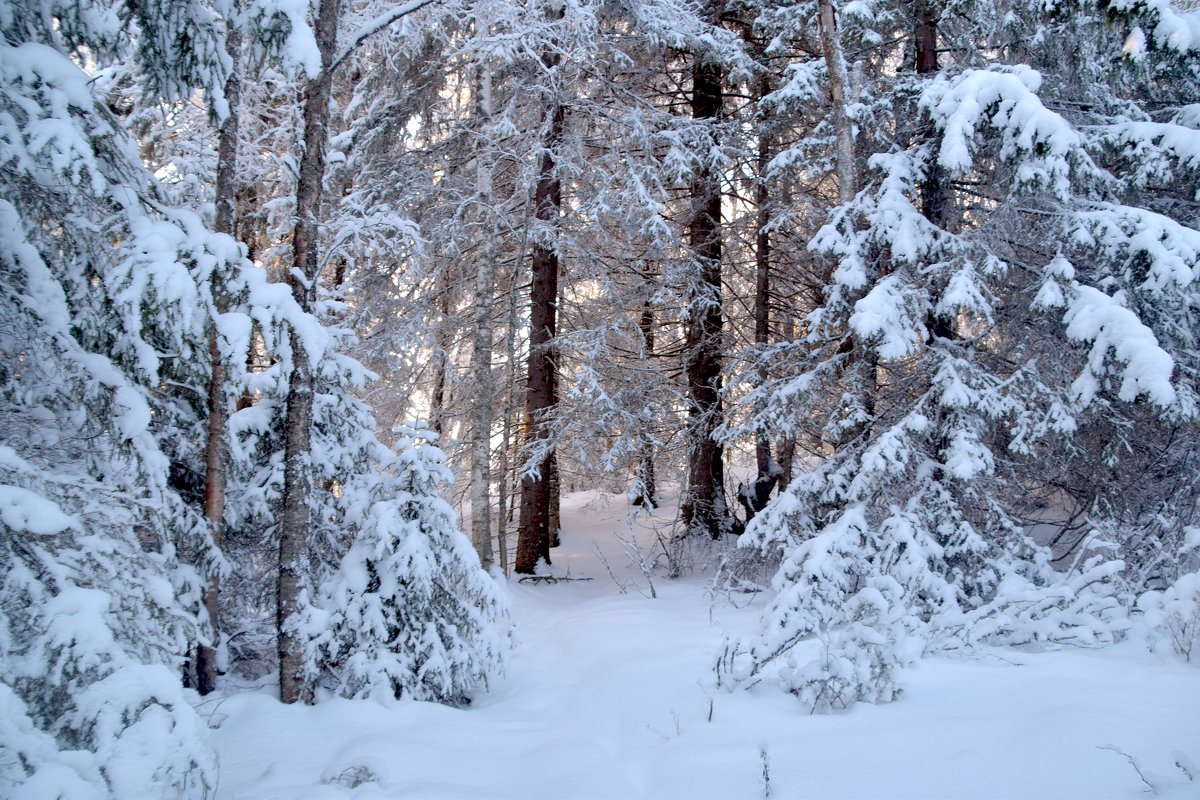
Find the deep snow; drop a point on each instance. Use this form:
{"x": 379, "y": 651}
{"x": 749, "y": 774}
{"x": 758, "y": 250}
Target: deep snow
{"x": 611, "y": 695}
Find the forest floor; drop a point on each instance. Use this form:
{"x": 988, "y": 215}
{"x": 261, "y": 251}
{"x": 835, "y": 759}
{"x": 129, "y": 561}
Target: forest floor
{"x": 610, "y": 694}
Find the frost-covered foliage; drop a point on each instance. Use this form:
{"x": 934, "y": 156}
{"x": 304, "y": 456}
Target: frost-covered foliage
{"x": 409, "y": 613}
{"x": 1008, "y": 322}
{"x": 1171, "y": 616}
{"x": 103, "y": 308}
{"x": 108, "y": 297}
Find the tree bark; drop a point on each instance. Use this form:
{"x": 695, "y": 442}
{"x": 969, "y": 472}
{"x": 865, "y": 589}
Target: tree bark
{"x": 481, "y": 354}
{"x": 839, "y": 83}
{"x": 534, "y": 534}
{"x": 645, "y": 488}
{"x": 933, "y": 193}
{"x": 862, "y": 369}
{"x": 216, "y": 450}
{"x": 295, "y": 522}
{"x": 762, "y": 273}
{"x": 437, "y": 399}
{"x": 506, "y": 436}
{"x": 705, "y": 510}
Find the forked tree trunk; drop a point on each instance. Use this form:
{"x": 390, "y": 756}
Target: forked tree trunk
{"x": 295, "y": 524}
{"x": 705, "y": 510}
{"x": 216, "y": 448}
{"x": 534, "y": 533}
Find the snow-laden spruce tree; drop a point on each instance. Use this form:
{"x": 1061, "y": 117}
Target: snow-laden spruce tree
{"x": 104, "y": 307}
{"x": 408, "y": 614}
{"x": 392, "y": 598}
{"x": 1008, "y": 319}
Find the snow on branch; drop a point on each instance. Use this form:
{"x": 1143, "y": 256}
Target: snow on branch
{"x": 1102, "y": 320}
{"x": 1006, "y": 99}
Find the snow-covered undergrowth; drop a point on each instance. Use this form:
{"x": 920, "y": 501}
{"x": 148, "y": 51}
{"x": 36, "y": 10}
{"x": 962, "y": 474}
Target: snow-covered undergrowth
{"x": 612, "y": 695}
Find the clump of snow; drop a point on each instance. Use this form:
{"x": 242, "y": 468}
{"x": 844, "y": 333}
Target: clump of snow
{"x": 1095, "y": 317}
{"x": 26, "y": 511}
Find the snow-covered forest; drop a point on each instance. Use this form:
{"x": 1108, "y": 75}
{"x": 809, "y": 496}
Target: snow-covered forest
{"x": 845, "y": 352}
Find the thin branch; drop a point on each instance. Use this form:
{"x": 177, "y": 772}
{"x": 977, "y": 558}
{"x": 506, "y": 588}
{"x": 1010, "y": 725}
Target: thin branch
{"x": 375, "y": 26}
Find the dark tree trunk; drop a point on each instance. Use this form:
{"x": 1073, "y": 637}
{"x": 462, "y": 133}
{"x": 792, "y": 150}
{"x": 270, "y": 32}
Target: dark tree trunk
{"x": 705, "y": 510}
{"x": 295, "y": 523}
{"x": 933, "y": 193}
{"x": 762, "y": 273}
{"x": 645, "y": 471}
{"x": 555, "y": 500}
{"x": 437, "y": 399}
{"x": 534, "y": 534}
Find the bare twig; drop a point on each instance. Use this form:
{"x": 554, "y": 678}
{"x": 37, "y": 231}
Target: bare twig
{"x": 1133, "y": 763}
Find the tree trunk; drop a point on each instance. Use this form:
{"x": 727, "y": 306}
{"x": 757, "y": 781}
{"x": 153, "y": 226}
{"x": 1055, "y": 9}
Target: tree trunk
{"x": 933, "y": 192}
{"x": 533, "y": 537}
{"x": 506, "y": 437}
{"x": 762, "y": 273}
{"x": 705, "y": 510}
{"x": 295, "y": 523}
{"x": 437, "y": 398}
{"x": 786, "y": 449}
{"x": 862, "y": 370}
{"x": 839, "y": 83}
{"x": 644, "y": 488}
{"x": 481, "y": 355}
{"x": 555, "y": 501}
{"x": 216, "y": 449}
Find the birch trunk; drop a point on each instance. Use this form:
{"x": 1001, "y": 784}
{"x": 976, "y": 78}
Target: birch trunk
{"x": 481, "y": 354}
{"x": 839, "y": 84}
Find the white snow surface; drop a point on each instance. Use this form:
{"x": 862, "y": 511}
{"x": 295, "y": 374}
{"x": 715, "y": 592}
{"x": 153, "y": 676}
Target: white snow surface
{"x": 611, "y": 695}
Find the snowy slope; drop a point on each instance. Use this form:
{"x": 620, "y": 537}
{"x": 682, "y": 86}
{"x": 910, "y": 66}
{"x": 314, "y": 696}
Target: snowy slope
{"x": 610, "y": 695}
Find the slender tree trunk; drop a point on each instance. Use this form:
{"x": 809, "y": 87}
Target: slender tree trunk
{"x": 502, "y": 491}
{"x": 534, "y": 534}
{"x": 295, "y": 523}
{"x": 481, "y": 356}
{"x": 787, "y": 447}
{"x": 862, "y": 370}
{"x": 839, "y": 84}
{"x": 506, "y": 438}
{"x": 216, "y": 448}
{"x": 762, "y": 272}
{"x": 437, "y": 400}
{"x": 555, "y": 500}
{"x": 933, "y": 191}
{"x": 645, "y": 488}
{"x": 705, "y": 510}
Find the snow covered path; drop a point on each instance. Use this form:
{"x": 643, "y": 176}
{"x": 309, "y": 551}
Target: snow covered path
{"x": 608, "y": 696}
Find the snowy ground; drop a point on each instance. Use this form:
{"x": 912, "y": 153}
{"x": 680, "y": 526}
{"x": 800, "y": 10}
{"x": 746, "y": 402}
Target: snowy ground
{"x": 610, "y": 695}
